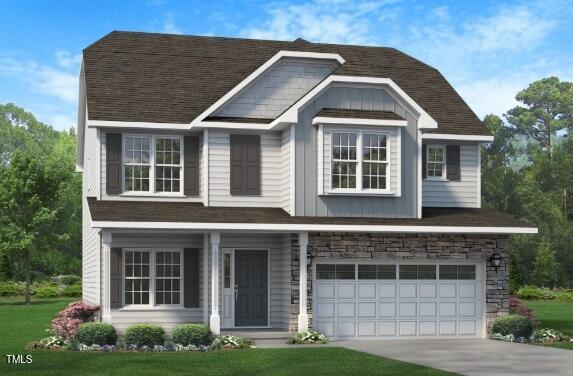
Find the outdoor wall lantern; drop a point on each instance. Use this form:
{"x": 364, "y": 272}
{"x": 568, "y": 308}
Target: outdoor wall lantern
{"x": 495, "y": 260}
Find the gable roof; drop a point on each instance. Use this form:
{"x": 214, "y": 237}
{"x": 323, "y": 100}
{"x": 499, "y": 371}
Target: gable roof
{"x": 162, "y": 78}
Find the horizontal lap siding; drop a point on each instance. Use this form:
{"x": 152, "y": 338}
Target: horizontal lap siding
{"x": 463, "y": 193}
{"x": 167, "y": 319}
{"x": 219, "y": 172}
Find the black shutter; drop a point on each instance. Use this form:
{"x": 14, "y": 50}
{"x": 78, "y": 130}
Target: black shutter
{"x": 115, "y": 266}
{"x": 453, "y": 162}
{"x": 113, "y": 163}
{"x": 245, "y": 164}
{"x": 191, "y": 277}
{"x": 191, "y": 165}
{"x": 424, "y": 162}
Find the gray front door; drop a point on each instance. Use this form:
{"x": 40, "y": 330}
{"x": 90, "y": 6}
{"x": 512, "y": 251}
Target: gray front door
{"x": 251, "y": 284}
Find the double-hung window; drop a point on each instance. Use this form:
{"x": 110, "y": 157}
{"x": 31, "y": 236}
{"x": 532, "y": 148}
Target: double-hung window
{"x": 436, "y": 161}
{"x": 360, "y": 162}
{"x": 152, "y": 164}
{"x": 152, "y": 277}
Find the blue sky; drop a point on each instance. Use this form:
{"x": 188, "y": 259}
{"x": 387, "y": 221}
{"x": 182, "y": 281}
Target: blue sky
{"x": 488, "y": 50}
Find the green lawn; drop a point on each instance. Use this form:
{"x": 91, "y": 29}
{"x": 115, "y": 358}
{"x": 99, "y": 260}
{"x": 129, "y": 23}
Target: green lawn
{"x": 554, "y": 314}
{"x": 21, "y": 324}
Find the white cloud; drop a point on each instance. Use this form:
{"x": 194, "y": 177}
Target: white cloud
{"x": 169, "y": 25}
{"x": 67, "y": 60}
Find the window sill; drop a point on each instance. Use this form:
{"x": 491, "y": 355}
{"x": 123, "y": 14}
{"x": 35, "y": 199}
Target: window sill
{"x": 437, "y": 179}
{"x": 359, "y": 193}
{"x": 148, "y": 194}
{"x": 149, "y": 308}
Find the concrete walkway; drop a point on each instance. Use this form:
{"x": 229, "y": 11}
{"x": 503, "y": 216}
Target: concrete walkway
{"x": 472, "y": 356}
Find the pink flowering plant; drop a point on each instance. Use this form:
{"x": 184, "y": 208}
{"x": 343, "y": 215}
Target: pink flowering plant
{"x": 68, "y": 320}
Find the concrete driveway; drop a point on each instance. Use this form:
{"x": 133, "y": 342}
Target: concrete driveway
{"x": 472, "y": 356}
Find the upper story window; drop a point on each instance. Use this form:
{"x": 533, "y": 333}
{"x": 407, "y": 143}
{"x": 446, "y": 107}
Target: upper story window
{"x": 360, "y": 161}
{"x": 436, "y": 161}
{"x": 152, "y": 164}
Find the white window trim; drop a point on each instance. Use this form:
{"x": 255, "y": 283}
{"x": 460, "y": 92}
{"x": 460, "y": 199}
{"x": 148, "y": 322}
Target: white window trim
{"x": 152, "y": 165}
{"x": 359, "y": 163}
{"x": 152, "y": 305}
{"x": 444, "y": 163}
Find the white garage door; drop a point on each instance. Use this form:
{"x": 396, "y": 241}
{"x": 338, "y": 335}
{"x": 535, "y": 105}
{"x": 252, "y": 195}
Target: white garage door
{"x": 388, "y": 301}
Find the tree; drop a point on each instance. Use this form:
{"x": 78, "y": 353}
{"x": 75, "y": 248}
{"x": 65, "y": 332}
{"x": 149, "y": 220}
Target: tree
{"x": 545, "y": 266}
{"x": 29, "y": 208}
{"x": 548, "y": 110}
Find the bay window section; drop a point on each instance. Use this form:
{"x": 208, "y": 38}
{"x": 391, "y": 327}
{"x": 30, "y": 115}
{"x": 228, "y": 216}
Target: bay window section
{"x": 152, "y": 164}
{"x": 152, "y": 277}
{"x": 360, "y": 162}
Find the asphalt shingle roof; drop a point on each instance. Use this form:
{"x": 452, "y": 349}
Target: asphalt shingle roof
{"x": 164, "y": 78}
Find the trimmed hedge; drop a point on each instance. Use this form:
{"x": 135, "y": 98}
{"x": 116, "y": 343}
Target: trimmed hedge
{"x": 10, "y": 289}
{"x": 519, "y": 326}
{"x": 192, "y": 334}
{"x": 96, "y": 333}
{"x": 47, "y": 292}
{"x": 72, "y": 291}
{"x": 144, "y": 335}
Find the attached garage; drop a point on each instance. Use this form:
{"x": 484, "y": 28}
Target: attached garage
{"x": 399, "y": 300}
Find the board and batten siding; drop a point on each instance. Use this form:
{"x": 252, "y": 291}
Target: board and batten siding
{"x": 167, "y": 319}
{"x": 277, "y": 89}
{"x": 286, "y": 178}
{"x": 392, "y": 143}
{"x": 151, "y": 197}
{"x": 279, "y": 272}
{"x": 464, "y": 193}
{"x": 220, "y": 176}
{"x": 309, "y": 203}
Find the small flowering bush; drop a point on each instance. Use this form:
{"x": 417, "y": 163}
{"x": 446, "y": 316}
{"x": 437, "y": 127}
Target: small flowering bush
{"x": 501, "y": 337}
{"x": 48, "y": 343}
{"x": 231, "y": 342}
{"x": 546, "y": 335}
{"x": 68, "y": 321}
{"x": 517, "y": 307}
{"x": 308, "y": 337}
{"x": 180, "y": 348}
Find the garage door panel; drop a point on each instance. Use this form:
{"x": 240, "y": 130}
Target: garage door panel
{"x": 325, "y": 290}
{"x": 427, "y": 328}
{"x": 346, "y": 291}
{"x": 407, "y": 290}
{"x": 467, "y": 327}
{"x": 327, "y": 328}
{"x": 346, "y": 309}
{"x": 324, "y": 310}
{"x": 366, "y": 309}
{"x": 387, "y": 309}
{"x": 428, "y": 309}
{"x": 467, "y": 309}
{"x": 366, "y": 328}
{"x": 407, "y": 309}
{"x": 407, "y": 328}
{"x": 428, "y": 290}
{"x": 387, "y": 290}
{"x": 467, "y": 290}
{"x": 367, "y": 291}
{"x": 447, "y": 328}
{"x": 447, "y": 309}
{"x": 448, "y": 290}
{"x": 346, "y": 329}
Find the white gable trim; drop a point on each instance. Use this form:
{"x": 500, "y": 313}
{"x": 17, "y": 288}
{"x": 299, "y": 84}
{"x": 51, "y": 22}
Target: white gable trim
{"x": 136, "y": 125}
{"x": 275, "y": 227}
{"x": 457, "y": 137}
{"x": 359, "y": 121}
{"x": 253, "y": 76}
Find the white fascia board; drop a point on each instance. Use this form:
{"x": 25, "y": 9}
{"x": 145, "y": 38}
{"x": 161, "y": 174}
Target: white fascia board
{"x": 279, "y": 227}
{"x": 456, "y": 137}
{"x": 198, "y": 121}
{"x": 231, "y": 125}
{"x": 425, "y": 121}
{"x": 359, "y": 121}
{"x": 137, "y": 125}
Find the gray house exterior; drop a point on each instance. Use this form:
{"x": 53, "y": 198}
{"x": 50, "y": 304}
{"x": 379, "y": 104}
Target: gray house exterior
{"x": 262, "y": 185}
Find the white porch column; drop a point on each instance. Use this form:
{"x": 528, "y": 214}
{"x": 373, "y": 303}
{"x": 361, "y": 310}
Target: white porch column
{"x": 215, "y": 319}
{"x": 302, "y": 300}
{"x": 106, "y": 253}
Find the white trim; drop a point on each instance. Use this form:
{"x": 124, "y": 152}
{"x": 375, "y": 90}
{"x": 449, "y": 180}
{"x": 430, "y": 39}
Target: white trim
{"x": 136, "y": 125}
{"x": 292, "y": 169}
{"x": 320, "y": 159}
{"x": 420, "y": 174}
{"x": 106, "y": 238}
{"x": 357, "y": 121}
{"x": 303, "y": 282}
{"x": 98, "y": 165}
{"x": 205, "y": 167}
{"x": 478, "y": 190}
{"x": 444, "y": 163}
{"x": 291, "y": 115}
{"x": 205, "y": 276}
{"x": 457, "y": 137}
{"x": 215, "y": 318}
{"x": 398, "y": 178}
{"x": 258, "y": 72}
{"x": 296, "y": 227}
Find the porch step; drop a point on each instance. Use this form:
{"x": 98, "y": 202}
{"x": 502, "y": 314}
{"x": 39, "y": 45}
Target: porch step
{"x": 258, "y": 334}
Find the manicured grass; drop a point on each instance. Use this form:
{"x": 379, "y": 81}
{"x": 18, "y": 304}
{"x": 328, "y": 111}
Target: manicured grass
{"x": 20, "y": 324}
{"x": 554, "y": 314}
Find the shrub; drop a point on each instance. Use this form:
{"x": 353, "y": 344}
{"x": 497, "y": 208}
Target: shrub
{"x": 10, "y": 289}
{"x": 308, "y": 337}
{"x": 72, "y": 291}
{"x": 69, "y": 280}
{"x": 564, "y": 295}
{"x": 548, "y": 336}
{"x": 68, "y": 320}
{"x": 231, "y": 342}
{"x": 144, "y": 335}
{"x": 48, "y": 343}
{"x": 96, "y": 333}
{"x": 535, "y": 293}
{"x": 517, "y": 307}
{"x": 192, "y": 334}
{"x": 519, "y": 326}
{"x": 47, "y": 292}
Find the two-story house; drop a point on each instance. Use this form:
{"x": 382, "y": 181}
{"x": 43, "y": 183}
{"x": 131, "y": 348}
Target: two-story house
{"x": 285, "y": 185}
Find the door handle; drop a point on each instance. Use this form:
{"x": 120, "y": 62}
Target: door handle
{"x": 236, "y": 292}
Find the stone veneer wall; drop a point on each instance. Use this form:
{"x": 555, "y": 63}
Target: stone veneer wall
{"x": 375, "y": 246}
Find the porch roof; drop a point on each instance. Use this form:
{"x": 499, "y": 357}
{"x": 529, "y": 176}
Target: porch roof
{"x": 197, "y": 216}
